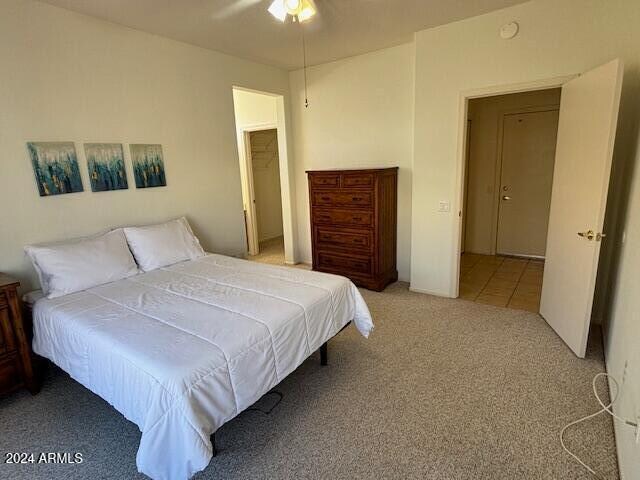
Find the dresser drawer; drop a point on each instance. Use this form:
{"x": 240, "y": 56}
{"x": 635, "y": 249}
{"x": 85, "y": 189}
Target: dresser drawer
{"x": 344, "y": 264}
{"x": 354, "y": 240}
{"x": 357, "y": 180}
{"x": 329, "y": 180}
{"x": 6, "y": 338}
{"x": 336, "y": 216}
{"x": 343, "y": 199}
{"x": 10, "y": 377}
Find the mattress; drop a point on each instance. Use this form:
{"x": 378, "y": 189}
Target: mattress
{"x": 183, "y": 349}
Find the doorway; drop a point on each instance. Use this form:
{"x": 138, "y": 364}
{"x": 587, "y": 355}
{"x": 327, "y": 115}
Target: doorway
{"x": 586, "y": 134}
{"x": 264, "y": 176}
{"x": 264, "y": 168}
{"x": 509, "y": 156}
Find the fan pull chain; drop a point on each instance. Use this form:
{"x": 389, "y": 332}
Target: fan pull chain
{"x": 304, "y": 65}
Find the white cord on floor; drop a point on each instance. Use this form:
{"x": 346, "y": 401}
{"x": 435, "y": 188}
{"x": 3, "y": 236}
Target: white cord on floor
{"x": 605, "y": 408}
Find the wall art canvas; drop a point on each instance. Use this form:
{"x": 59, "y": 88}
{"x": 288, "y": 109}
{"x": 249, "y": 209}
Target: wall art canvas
{"x": 148, "y": 165}
{"x": 106, "y": 166}
{"x": 55, "y": 166}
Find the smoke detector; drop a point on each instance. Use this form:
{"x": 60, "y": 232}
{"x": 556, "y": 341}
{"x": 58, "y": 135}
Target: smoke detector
{"x": 509, "y": 30}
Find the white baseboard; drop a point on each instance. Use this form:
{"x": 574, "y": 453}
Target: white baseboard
{"x": 521, "y": 255}
{"x": 430, "y": 292}
{"x": 268, "y": 239}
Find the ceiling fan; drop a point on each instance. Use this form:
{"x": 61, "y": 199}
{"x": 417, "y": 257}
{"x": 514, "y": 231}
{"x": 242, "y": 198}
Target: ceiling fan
{"x": 297, "y": 10}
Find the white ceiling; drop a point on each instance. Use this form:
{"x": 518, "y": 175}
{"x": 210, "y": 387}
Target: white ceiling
{"x": 245, "y": 29}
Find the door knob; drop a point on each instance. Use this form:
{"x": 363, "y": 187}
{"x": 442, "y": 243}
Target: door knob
{"x": 600, "y": 236}
{"x": 506, "y": 197}
{"x": 589, "y": 235}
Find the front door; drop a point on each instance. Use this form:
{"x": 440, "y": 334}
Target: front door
{"x": 528, "y": 153}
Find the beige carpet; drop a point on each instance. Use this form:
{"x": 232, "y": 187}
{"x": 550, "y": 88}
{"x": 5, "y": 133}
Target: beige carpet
{"x": 271, "y": 251}
{"x": 443, "y": 389}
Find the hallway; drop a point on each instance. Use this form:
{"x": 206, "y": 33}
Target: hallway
{"x": 501, "y": 281}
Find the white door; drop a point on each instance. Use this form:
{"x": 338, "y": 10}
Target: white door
{"x": 528, "y": 153}
{"x": 586, "y": 132}
{"x": 250, "y": 208}
{"x": 465, "y": 180}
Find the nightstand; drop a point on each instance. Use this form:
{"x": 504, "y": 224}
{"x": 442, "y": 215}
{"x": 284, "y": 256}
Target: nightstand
{"x": 16, "y": 369}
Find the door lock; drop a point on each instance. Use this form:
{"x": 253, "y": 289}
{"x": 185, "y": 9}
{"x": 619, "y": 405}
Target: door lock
{"x": 589, "y": 235}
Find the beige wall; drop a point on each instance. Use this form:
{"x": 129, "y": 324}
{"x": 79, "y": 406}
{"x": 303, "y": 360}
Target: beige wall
{"x": 556, "y": 39}
{"x": 621, "y": 321}
{"x": 70, "y": 77}
{"x": 484, "y": 162}
{"x": 360, "y": 116}
{"x": 253, "y": 109}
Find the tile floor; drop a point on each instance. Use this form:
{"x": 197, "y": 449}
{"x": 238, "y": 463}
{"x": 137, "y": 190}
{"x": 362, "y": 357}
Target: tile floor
{"x": 501, "y": 281}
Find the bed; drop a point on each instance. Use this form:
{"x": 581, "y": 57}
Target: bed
{"x": 180, "y": 350}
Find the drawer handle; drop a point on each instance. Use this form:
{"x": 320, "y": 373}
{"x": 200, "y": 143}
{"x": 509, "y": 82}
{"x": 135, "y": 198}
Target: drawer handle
{"x": 326, "y": 199}
{"x": 324, "y": 217}
{"x": 358, "y": 240}
{"x": 356, "y": 199}
{"x": 357, "y": 219}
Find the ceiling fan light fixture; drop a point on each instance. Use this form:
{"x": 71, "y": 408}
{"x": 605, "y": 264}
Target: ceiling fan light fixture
{"x": 299, "y": 9}
{"x": 292, "y": 5}
{"x": 308, "y": 10}
{"x": 278, "y": 10}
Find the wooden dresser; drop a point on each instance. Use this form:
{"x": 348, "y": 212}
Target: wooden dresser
{"x": 16, "y": 369}
{"x": 353, "y": 224}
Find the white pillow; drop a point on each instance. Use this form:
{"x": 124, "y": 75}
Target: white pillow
{"x": 76, "y": 265}
{"x": 156, "y": 246}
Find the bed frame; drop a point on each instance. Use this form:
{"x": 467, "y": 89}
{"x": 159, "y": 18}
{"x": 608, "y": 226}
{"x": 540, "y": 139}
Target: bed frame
{"x": 324, "y": 361}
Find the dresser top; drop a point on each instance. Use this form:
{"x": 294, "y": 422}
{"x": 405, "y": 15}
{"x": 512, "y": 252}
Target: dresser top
{"x": 7, "y": 281}
{"x": 355, "y": 170}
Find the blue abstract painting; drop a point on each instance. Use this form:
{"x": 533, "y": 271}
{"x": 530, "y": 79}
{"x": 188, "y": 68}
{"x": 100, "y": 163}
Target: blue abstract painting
{"x": 148, "y": 165}
{"x": 106, "y": 166}
{"x": 55, "y": 166}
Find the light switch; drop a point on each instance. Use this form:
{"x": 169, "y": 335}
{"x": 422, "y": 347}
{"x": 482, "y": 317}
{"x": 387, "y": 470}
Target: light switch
{"x": 444, "y": 206}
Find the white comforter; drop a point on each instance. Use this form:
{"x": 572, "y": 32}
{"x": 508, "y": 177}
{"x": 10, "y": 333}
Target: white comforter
{"x": 182, "y": 350}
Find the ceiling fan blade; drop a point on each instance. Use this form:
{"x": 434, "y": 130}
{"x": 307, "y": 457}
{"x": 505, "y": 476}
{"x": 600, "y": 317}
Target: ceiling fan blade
{"x": 233, "y": 8}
